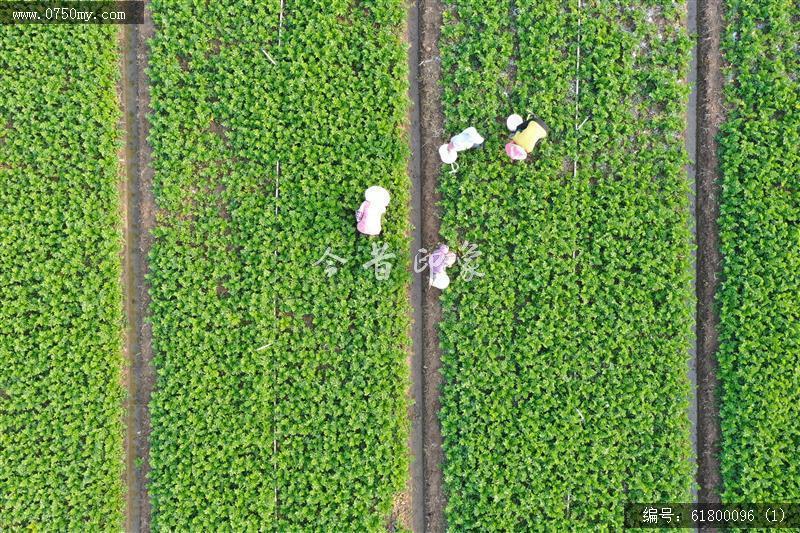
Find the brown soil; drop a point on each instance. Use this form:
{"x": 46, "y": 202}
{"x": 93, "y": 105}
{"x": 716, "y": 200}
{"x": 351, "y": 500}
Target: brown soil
{"x": 409, "y": 510}
{"x": 140, "y": 219}
{"x": 432, "y": 130}
{"x": 402, "y": 513}
{"x": 710, "y": 116}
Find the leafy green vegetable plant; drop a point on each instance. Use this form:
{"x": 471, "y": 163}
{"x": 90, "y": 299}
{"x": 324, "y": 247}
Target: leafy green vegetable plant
{"x": 759, "y": 297}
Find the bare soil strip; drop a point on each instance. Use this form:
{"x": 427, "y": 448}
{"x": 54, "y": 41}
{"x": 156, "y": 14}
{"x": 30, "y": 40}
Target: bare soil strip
{"x": 139, "y": 222}
{"x": 709, "y": 118}
{"x": 432, "y": 130}
{"x": 417, "y": 477}
{"x": 127, "y": 94}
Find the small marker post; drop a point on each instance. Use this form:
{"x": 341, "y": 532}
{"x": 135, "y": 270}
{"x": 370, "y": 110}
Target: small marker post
{"x": 269, "y": 57}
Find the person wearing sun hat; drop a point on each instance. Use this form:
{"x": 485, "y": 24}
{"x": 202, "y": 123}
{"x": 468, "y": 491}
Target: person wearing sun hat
{"x": 469, "y": 138}
{"x": 526, "y": 134}
{"x": 439, "y": 261}
{"x": 368, "y": 216}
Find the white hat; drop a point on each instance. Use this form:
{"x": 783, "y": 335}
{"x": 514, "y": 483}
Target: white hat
{"x": 448, "y": 156}
{"x": 474, "y": 136}
{"x": 513, "y": 122}
{"x": 377, "y": 195}
{"x": 466, "y": 139}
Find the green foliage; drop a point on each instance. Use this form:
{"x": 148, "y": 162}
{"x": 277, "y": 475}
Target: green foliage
{"x": 61, "y": 454}
{"x": 759, "y": 298}
{"x": 565, "y": 368}
{"x": 280, "y": 403}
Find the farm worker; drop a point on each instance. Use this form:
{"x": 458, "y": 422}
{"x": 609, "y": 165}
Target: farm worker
{"x": 469, "y": 138}
{"x": 527, "y": 134}
{"x": 368, "y": 216}
{"x": 439, "y": 261}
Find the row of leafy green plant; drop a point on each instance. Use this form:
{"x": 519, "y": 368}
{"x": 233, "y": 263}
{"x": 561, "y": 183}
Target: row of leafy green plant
{"x": 61, "y": 452}
{"x": 280, "y": 401}
{"x": 566, "y": 386}
{"x": 759, "y": 297}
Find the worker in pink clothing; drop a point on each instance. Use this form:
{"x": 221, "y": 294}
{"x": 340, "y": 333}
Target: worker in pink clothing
{"x": 368, "y": 216}
{"x": 439, "y": 261}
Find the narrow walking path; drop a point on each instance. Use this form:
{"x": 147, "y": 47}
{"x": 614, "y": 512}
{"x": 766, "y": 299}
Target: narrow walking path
{"x": 432, "y": 132}
{"x": 139, "y": 220}
{"x": 709, "y": 118}
{"x": 417, "y": 477}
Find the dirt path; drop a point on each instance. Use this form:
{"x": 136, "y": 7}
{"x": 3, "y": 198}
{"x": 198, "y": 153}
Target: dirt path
{"x": 431, "y": 127}
{"x": 127, "y": 97}
{"x": 709, "y": 118}
{"x": 139, "y": 221}
{"x": 417, "y": 478}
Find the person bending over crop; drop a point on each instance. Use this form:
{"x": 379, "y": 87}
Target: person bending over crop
{"x": 526, "y": 134}
{"x": 368, "y": 216}
{"x": 469, "y": 138}
{"x": 438, "y": 262}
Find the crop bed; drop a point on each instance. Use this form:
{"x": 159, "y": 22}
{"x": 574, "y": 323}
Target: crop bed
{"x": 759, "y": 297}
{"x": 61, "y": 299}
{"x": 280, "y": 402}
{"x": 565, "y": 366}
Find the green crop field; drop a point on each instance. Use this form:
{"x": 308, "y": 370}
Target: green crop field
{"x": 759, "y": 299}
{"x": 565, "y": 365}
{"x": 61, "y": 455}
{"x": 269, "y": 376}
{"x": 281, "y": 402}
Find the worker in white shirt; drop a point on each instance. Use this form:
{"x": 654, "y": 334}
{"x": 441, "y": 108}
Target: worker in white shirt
{"x": 469, "y": 138}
